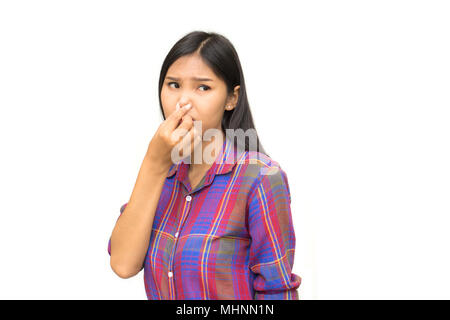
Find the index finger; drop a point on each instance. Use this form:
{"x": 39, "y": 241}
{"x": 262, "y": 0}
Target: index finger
{"x": 176, "y": 116}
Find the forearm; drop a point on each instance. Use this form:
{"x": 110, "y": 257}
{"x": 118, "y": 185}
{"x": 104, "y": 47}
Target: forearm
{"x": 131, "y": 234}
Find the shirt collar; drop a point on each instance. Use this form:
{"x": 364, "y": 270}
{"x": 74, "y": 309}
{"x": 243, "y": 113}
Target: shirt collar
{"x": 224, "y": 163}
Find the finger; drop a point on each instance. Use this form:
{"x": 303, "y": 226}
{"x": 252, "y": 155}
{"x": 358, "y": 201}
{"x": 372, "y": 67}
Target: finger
{"x": 177, "y": 135}
{"x": 186, "y": 122}
{"x": 182, "y": 129}
{"x": 189, "y": 142}
{"x": 180, "y": 149}
{"x": 175, "y": 117}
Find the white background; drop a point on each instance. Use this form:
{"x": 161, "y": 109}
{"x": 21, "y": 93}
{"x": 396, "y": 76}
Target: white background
{"x": 350, "y": 97}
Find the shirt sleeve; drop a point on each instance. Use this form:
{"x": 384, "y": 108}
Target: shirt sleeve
{"x": 272, "y": 237}
{"x": 121, "y": 211}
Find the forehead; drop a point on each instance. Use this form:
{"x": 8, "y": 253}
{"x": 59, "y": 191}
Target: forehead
{"x": 188, "y": 66}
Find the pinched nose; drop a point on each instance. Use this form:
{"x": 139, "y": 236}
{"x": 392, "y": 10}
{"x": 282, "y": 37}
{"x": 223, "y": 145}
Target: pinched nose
{"x": 178, "y": 106}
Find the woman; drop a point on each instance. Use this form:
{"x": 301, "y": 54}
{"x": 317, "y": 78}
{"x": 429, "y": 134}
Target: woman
{"x": 218, "y": 228}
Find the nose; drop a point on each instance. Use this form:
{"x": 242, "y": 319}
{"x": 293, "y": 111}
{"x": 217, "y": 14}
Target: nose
{"x": 182, "y": 102}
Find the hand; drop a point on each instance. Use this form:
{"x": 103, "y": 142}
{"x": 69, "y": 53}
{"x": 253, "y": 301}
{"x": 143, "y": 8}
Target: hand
{"x": 178, "y": 132}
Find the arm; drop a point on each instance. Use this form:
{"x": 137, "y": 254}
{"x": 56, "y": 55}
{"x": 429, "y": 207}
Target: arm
{"x": 273, "y": 239}
{"x": 131, "y": 234}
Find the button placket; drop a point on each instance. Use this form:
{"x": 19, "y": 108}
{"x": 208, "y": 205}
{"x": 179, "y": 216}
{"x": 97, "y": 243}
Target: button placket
{"x": 170, "y": 274}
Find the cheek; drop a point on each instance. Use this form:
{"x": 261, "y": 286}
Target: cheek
{"x": 164, "y": 97}
{"x": 210, "y": 114}
{"x": 167, "y": 103}
{"x": 212, "y": 107}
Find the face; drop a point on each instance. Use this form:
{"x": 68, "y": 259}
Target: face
{"x": 190, "y": 80}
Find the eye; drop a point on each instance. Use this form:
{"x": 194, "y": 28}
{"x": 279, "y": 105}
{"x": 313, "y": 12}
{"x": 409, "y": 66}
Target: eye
{"x": 171, "y": 83}
{"x": 206, "y": 87}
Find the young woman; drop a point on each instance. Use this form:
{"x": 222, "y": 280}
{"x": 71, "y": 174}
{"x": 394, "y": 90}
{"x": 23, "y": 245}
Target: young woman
{"x": 209, "y": 229}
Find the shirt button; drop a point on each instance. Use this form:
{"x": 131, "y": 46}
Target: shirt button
{"x": 170, "y": 274}
{"x": 176, "y": 235}
{"x": 188, "y": 198}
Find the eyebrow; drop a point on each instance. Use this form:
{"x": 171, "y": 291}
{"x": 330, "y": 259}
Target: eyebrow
{"x": 193, "y": 78}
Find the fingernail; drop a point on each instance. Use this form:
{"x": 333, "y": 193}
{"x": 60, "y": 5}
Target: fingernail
{"x": 188, "y": 106}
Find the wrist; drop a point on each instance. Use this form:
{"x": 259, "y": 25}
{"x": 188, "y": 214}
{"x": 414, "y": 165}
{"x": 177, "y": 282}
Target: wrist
{"x": 155, "y": 166}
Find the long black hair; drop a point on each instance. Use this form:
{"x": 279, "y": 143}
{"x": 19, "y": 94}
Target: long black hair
{"x": 220, "y": 55}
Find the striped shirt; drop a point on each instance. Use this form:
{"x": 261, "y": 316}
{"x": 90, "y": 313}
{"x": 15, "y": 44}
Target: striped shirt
{"x": 230, "y": 238}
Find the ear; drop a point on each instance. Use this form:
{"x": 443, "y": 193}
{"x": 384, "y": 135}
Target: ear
{"x": 232, "y": 99}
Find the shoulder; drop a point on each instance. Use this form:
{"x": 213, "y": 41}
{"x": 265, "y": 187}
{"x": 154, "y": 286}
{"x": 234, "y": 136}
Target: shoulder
{"x": 267, "y": 182}
{"x": 263, "y": 171}
{"x": 258, "y": 164}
